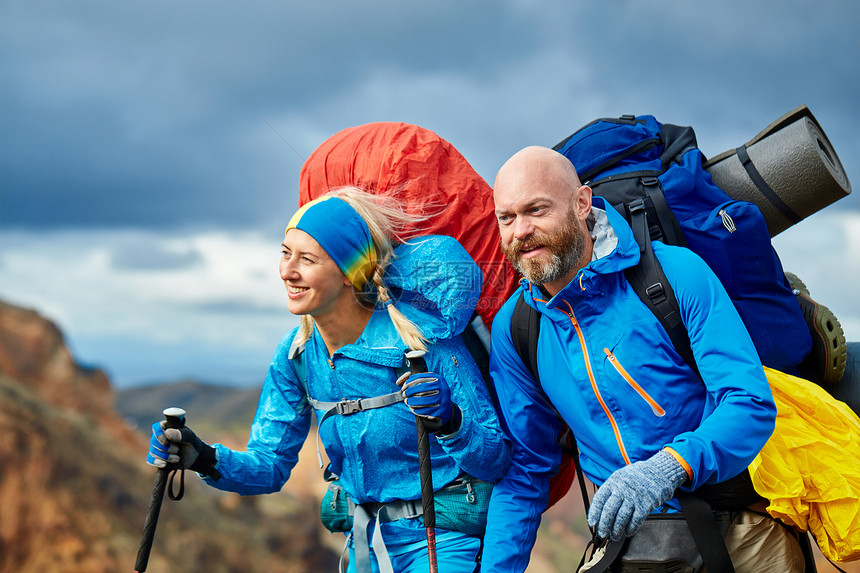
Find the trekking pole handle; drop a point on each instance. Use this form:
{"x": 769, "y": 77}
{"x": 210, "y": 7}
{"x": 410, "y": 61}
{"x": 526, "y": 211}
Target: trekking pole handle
{"x": 415, "y": 359}
{"x": 173, "y": 418}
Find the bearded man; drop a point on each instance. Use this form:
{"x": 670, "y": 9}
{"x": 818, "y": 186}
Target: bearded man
{"x": 645, "y": 422}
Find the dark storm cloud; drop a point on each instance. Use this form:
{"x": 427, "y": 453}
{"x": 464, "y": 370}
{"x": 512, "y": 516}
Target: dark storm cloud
{"x": 154, "y": 115}
{"x": 137, "y": 115}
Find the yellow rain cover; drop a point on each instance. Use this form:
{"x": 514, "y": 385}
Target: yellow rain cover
{"x": 809, "y": 469}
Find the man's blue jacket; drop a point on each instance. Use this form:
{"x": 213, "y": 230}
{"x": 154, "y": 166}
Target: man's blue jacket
{"x": 608, "y": 368}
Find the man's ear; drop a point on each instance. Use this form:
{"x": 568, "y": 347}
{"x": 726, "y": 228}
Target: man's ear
{"x": 582, "y": 202}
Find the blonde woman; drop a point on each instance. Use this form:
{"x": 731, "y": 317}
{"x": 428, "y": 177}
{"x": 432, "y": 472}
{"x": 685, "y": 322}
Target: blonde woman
{"x": 365, "y": 298}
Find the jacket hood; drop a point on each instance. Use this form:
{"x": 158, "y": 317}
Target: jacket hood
{"x": 615, "y": 248}
{"x": 435, "y": 283}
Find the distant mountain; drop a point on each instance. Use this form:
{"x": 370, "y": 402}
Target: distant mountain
{"x": 74, "y": 487}
{"x": 212, "y": 410}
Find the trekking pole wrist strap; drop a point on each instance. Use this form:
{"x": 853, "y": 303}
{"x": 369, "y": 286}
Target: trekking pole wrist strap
{"x": 206, "y": 462}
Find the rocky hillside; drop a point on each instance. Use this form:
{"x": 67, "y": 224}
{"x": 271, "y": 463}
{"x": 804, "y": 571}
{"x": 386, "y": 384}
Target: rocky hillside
{"x": 74, "y": 490}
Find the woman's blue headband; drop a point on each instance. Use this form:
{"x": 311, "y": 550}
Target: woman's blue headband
{"x": 342, "y": 233}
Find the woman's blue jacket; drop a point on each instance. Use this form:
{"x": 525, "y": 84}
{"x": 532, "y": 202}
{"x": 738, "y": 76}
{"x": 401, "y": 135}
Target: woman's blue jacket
{"x": 612, "y": 374}
{"x": 374, "y": 452}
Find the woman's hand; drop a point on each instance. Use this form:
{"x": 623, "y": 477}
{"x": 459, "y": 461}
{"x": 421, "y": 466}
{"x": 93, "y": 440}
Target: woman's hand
{"x": 428, "y": 396}
{"x": 183, "y": 448}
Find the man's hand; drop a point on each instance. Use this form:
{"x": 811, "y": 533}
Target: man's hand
{"x": 622, "y": 503}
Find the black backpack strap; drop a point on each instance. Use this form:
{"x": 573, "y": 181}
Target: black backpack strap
{"x": 525, "y": 329}
{"x": 568, "y": 444}
{"x": 666, "y": 227}
{"x": 651, "y": 285}
{"x": 706, "y": 533}
{"x": 764, "y": 188}
{"x": 478, "y": 350}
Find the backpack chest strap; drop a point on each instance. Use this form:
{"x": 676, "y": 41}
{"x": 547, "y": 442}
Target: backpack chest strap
{"x": 348, "y": 407}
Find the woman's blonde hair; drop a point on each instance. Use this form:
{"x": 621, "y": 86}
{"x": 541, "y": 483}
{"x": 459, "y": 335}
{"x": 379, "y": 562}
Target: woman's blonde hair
{"x": 388, "y": 221}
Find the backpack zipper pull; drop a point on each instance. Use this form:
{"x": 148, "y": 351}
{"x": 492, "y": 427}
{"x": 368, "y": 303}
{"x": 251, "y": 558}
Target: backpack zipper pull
{"x": 727, "y": 221}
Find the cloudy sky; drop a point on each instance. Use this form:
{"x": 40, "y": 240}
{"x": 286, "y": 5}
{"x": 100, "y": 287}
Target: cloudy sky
{"x": 150, "y": 151}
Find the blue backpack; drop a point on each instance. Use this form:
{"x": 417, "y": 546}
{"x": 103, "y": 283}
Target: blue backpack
{"x": 652, "y": 174}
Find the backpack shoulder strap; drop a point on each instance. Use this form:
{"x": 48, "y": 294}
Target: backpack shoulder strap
{"x": 651, "y": 285}
{"x": 296, "y": 356}
{"x": 525, "y": 329}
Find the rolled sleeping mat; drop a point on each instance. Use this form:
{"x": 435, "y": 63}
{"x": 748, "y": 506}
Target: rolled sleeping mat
{"x": 790, "y": 170}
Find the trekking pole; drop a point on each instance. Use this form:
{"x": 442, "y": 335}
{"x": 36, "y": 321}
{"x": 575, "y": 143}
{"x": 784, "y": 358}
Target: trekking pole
{"x": 174, "y": 418}
{"x": 415, "y": 359}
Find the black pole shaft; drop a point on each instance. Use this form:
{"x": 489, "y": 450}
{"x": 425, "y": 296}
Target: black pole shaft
{"x": 151, "y": 519}
{"x": 158, "y": 488}
{"x": 417, "y": 365}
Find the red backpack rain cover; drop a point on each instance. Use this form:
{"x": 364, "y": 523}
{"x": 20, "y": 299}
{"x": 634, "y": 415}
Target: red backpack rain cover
{"x": 421, "y": 168}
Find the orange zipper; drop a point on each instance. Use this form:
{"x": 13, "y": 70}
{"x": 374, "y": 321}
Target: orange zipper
{"x": 594, "y": 384}
{"x": 655, "y": 407}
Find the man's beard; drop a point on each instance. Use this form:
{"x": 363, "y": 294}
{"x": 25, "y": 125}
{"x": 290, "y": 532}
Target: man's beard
{"x": 565, "y": 248}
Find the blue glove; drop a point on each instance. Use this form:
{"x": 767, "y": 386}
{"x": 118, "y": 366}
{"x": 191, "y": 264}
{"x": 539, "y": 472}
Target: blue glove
{"x": 161, "y": 451}
{"x": 428, "y": 396}
{"x": 183, "y": 449}
{"x": 622, "y": 503}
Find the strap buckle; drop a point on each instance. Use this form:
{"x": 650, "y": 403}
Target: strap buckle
{"x": 636, "y": 206}
{"x": 656, "y": 292}
{"x": 347, "y": 407}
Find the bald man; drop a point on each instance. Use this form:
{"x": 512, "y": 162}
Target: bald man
{"x": 646, "y": 424}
